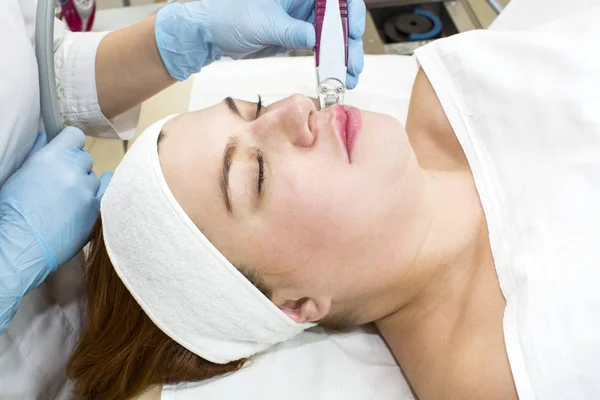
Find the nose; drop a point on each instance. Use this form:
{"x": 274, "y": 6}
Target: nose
{"x": 289, "y": 118}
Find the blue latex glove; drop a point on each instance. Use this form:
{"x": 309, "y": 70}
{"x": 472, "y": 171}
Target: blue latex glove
{"x": 47, "y": 210}
{"x": 192, "y": 35}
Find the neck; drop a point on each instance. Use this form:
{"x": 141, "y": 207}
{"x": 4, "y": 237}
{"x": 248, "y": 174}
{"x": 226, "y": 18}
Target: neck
{"x": 449, "y": 272}
{"x": 452, "y": 249}
{"x": 451, "y": 226}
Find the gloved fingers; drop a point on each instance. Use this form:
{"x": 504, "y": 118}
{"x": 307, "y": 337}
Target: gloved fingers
{"x": 356, "y": 57}
{"x": 68, "y": 138}
{"x": 300, "y": 9}
{"x": 40, "y": 142}
{"x": 357, "y": 14}
{"x": 92, "y": 183}
{"x": 83, "y": 159}
{"x": 351, "y": 81}
{"x": 290, "y": 33}
{"x": 311, "y": 18}
{"x": 356, "y": 62}
{"x": 104, "y": 181}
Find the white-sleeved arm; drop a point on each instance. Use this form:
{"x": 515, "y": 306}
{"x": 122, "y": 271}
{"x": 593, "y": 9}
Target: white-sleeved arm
{"x": 75, "y": 68}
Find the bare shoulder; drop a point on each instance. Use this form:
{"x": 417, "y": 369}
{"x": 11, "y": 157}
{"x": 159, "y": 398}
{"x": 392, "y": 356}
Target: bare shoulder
{"x": 458, "y": 350}
{"x": 425, "y": 110}
{"x": 429, "y": 129}
{"x": 470, "y": 365}
{"x": 479, "y": 370}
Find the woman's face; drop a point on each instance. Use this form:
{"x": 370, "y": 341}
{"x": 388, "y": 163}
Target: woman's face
{"x": 311, "y": 200}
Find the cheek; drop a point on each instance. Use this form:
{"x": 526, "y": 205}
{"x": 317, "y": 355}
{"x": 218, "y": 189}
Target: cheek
{"x": 305, "y": 214}
{"x": 384, "y": 148}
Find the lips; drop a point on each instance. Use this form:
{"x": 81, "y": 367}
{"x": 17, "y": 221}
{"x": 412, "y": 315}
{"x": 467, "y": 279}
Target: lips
{"x": 341, "y": 119}
{"x": 349, "y": 124}
{"x": 353, "y": 126}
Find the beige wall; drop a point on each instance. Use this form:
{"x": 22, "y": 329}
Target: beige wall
{"x": 103, "y": 4}
{"x": 484, "y": 12}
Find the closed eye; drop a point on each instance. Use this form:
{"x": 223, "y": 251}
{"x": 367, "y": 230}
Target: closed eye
{"x": 259, "y": 156}
{"x": 261, "y": 171}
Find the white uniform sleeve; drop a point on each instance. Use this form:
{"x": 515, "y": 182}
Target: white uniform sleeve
{"x": 75, "y": 68}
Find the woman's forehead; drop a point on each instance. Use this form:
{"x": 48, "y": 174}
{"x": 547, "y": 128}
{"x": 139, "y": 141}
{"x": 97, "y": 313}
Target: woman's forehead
{"x": 203, "y": 131}
{"x": 191, "y": 157}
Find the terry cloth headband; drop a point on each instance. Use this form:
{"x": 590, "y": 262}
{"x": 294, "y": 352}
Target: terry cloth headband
{"x": 180, "y": 280}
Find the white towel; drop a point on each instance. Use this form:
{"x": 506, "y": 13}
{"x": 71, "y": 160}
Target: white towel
{"x": 525, "y": 107}
{"x": 184, "y": 284}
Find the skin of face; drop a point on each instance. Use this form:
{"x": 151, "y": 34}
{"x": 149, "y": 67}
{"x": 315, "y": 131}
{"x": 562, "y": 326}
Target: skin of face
{"x": 328, "y": 231}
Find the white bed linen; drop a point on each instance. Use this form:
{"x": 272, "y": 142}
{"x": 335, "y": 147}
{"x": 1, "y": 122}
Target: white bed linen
{"x": 315, "y": 365}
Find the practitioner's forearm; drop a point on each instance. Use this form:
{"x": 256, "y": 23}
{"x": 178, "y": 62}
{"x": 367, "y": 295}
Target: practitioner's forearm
{"x": 129, "y": 68}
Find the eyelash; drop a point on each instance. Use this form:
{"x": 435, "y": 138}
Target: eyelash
{"x": 258, "y": 106}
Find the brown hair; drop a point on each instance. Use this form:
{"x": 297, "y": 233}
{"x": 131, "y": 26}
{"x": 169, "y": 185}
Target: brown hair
{"x": 121, "y": 352}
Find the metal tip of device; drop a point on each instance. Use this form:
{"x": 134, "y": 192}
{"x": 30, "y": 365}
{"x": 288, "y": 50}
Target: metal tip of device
{"x": 331, "y": 92}
{"x": 329, "y": 101}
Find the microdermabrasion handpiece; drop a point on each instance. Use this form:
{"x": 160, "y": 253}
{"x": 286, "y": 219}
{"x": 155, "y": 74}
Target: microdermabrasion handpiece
{"x": 331, "y": 50}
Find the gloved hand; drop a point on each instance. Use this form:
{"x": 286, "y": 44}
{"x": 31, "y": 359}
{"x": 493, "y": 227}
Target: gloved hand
{"x": 47, "y": 210}
{"x": 192, "y": 35}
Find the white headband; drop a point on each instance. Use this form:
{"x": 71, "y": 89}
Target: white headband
{"x": 182, "y": 282}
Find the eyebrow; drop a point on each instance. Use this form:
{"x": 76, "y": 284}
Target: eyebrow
{"x": 228, "y": 153}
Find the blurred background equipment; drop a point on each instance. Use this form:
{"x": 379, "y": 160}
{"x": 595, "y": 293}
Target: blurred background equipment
{"x": 77, "y": 14}
{"x": 404, "y": 25}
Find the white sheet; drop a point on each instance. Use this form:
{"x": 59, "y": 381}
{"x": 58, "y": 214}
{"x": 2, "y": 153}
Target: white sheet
{"x": 315, "y": 365}
{"x": 526, "y": 110}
